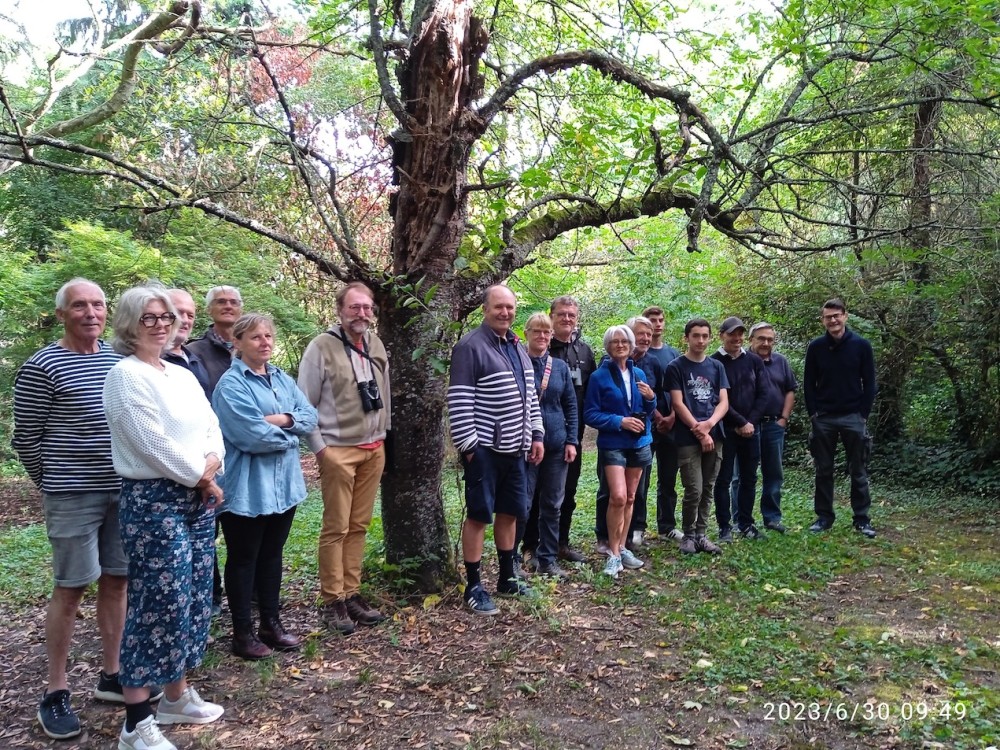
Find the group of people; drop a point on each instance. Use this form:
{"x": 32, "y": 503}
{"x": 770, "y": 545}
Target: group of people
{"x": 142, "y": 446}
{"x": 517, "y": 415}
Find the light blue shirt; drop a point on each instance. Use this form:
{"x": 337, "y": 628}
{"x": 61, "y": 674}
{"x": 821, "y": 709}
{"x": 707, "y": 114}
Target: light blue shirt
{"x": 263, "y": 470}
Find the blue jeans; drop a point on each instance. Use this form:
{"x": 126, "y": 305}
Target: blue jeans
{"x": 826, "y": 431}
{"x": 739, "y": 494}
{"x": 546, "y": 487}
{"x": 772, "y": 449}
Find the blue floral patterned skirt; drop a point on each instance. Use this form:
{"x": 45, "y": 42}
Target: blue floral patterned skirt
{"x": 169, "y": 538}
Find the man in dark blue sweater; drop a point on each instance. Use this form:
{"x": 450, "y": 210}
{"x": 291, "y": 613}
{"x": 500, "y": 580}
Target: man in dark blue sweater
{"x": 748, "y": 386}
{"x": 840, "y": 392}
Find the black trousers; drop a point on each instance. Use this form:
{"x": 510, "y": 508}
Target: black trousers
{"x": 254, "y": 548}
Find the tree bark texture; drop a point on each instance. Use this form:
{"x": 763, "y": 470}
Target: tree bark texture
{"x": 430, "y": 161}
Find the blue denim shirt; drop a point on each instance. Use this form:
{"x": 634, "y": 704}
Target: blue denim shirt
{"x": 263, "y": 472}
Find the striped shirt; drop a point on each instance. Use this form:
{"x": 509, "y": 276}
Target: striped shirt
{"x": 60, "y": 433}
{"x": 486, "y": 404}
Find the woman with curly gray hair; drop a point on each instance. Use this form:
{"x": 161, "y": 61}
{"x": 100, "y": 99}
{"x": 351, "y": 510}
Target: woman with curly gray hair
{"x": 167, "y": 447}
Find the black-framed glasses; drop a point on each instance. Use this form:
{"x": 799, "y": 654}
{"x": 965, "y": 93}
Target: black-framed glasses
{"x": 149, "y": 320}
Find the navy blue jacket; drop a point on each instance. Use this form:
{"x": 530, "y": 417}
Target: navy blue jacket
{"x": 559, "y": 413}
{"x": 605, "y": 406}
{"x": 748, "y": 387}
{"x": 839, "y": 375}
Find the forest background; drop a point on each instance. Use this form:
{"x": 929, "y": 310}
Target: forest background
{"x": 754, "y": 162}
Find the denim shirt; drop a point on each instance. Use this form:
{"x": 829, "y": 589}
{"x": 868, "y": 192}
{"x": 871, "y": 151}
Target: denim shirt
{"x": 263, "y": 469}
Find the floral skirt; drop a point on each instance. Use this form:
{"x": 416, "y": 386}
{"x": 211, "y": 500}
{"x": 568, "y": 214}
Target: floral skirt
{"x": 169, "y": 538}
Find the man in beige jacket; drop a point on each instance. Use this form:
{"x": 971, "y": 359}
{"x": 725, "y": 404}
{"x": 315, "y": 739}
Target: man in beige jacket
{"x": 345, "y": 375}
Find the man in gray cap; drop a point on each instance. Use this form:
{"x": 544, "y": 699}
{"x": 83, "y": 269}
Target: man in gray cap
{"x": 748, "y": 388}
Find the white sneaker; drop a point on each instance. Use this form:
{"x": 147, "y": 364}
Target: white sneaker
{"x": 613, "y": 566}
{"x": 147, "y": 736}
{"x": 638, "y": 538}
{"x": 675, "y": 534}
{"x": 630, "y": 561}
{"x": 188, "y": 709}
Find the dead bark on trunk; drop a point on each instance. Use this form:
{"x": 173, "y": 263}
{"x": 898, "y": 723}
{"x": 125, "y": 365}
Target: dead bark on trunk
{"x": 431, "y": 151}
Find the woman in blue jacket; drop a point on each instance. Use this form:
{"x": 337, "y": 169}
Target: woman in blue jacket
{"x": 262, "y": 413}
{"x": 618, "y": 405}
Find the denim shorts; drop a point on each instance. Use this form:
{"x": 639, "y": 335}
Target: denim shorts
{"x": 496, "y": 483}
{"x": 630, "y": 458}
{"x": 85, "y": 537}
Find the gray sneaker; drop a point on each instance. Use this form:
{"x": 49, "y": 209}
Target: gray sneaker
{"x": 687, "y": 545}
{"x": 726, "y": 535}
{"x": 630, "y": 561}
{"x": 704, "y": 544}
{"x": 552, "y": 570}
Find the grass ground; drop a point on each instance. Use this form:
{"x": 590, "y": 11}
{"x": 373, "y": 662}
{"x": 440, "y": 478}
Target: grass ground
{"x": 797, "y": 640}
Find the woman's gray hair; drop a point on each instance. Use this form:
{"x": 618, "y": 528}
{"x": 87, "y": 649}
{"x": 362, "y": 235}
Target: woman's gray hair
{"x": 130, "y": 307}
{"x": 624, "y": 331}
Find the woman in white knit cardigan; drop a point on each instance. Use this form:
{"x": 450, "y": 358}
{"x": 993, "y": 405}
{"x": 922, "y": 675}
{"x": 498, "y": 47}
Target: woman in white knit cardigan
{"x": 167, "y": 447}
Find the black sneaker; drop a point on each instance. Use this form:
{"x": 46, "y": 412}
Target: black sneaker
{"x": 775, "y": 526}
{"x": 865, "y": 529}
{"x": 57, "y": 717}
{"x": 477, "y": 600}
{"x": 725, "y": 535}
{"x": 109, "y": 690}
{"x": 513, "y": 587}
{"x": 821, "y": 524}
{"x": 751, "y": 532}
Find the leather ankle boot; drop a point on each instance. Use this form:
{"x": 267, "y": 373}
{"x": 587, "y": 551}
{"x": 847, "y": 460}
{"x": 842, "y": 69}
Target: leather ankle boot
{"x": 273, "y": 633}
{"x": 247, "y": 645}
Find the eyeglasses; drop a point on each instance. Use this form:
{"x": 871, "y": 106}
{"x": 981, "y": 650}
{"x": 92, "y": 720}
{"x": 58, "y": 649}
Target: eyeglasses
{"x": 566, "y": 314}
{"x": 149, "y": 320}
{"x": 833, "y": 316}
{"x": 542, "y": 331}
{"x": 620, "y": 342}
{"x": 361, "y": 308}
{"x": 226, "y": 301}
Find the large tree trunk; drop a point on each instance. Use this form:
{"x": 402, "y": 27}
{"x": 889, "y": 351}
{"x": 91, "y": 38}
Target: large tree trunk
{"x": 416, "y": 537}
{"x": 430, "y": 162}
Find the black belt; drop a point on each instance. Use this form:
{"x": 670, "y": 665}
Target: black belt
{"x": 771, "y": 419}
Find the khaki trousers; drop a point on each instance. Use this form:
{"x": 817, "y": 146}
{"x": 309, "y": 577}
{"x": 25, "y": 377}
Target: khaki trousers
{"x": 349, "y": 478}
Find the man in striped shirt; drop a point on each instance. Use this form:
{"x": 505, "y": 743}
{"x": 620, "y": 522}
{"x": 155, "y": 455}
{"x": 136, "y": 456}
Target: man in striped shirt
{"x": 61, "y": 437}
{"x": 495, "y": 424}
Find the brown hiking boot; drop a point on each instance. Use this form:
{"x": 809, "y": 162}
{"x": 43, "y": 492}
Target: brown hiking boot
{"x": 687, "y": 545}
{"x": 361, "y": 612}
{"x": 273, "y": 633}
{"x": 336, "y": 617}
{"x": 704, "y": 544}
{"x": 247, "y": 645}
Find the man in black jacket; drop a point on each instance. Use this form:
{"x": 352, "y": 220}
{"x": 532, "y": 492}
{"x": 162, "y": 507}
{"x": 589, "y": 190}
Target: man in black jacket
{"x": 567, "y": 345}
{"x": 748, "y": 386}
{"x": 840, "y": 388}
